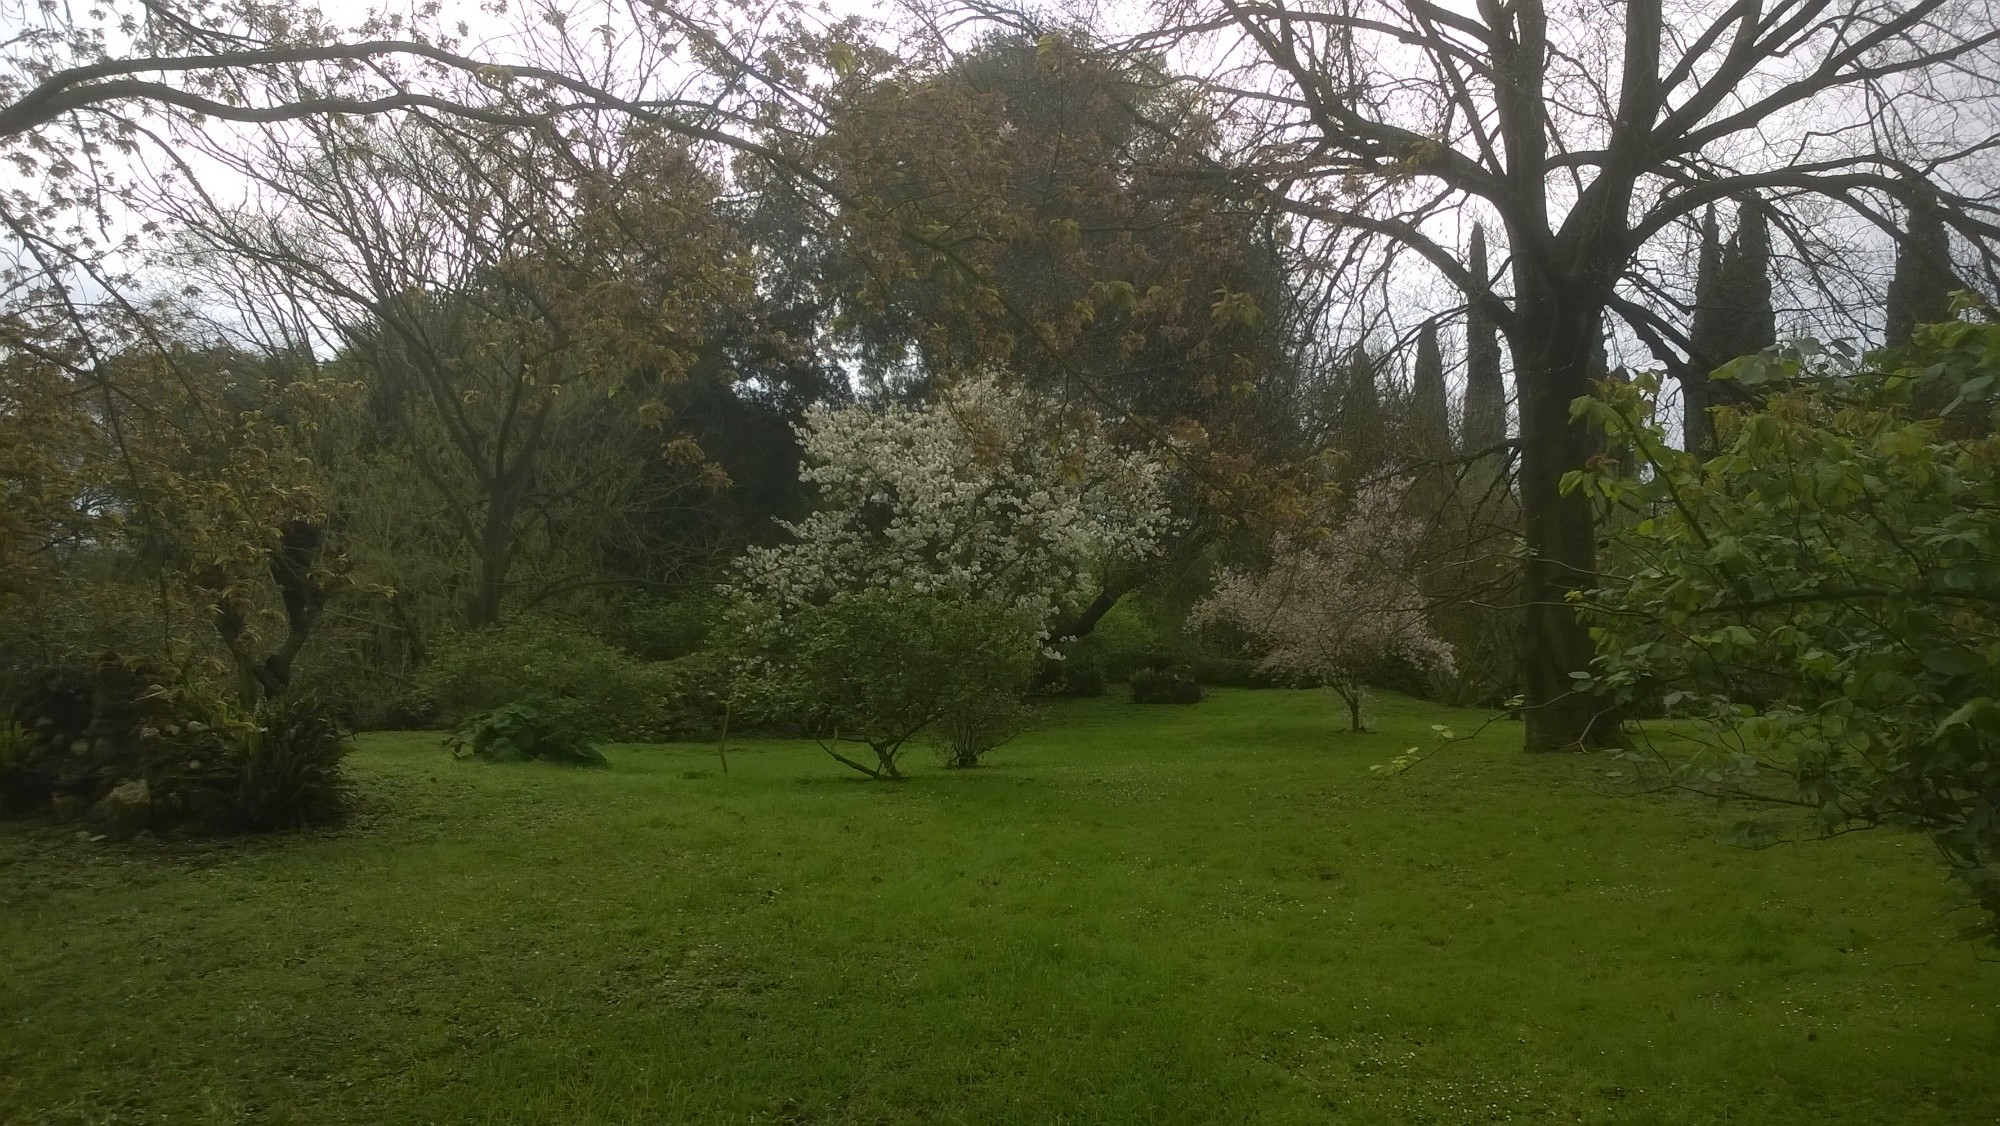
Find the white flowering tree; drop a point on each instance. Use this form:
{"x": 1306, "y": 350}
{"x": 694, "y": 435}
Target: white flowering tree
{"x": 1338, "y": 601}
{"x": 978, "y": 495}
{"x": 978, "y": 499}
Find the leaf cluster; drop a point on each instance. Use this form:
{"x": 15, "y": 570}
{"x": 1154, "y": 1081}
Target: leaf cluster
{"x": 523, "y": 733}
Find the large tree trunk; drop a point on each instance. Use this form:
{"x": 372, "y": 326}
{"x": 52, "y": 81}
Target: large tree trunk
{"x": 1552, "y": 353}
{"x": 1561, "y": 282}
{"x": 496, "y": 558}
{"x": 292, "y": 571}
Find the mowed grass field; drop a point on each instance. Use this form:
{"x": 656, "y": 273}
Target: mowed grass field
{"x": 1143, "y": 915}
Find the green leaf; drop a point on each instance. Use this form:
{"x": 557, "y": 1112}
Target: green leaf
{"x": 1978, "y": 709}
{"x": 1954, "y": 660}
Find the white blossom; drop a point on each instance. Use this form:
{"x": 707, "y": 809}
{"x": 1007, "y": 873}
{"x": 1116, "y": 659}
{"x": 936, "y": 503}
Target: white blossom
{"x": 977, "y": 495}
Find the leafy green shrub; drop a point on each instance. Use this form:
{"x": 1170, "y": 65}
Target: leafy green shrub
{"x": 130, "y": 749}
{"x": 661, "y": 629}
{"x": 1817, "y": 598}
{"x": 696, "y": 694}
{"x": 87, "y": 733}
{"x": 523, "y": 733}
{"x": 1236, "y": 672}
{"x": 876, "y": 667}
{"x": 1122, "y": 643}
{"x": 559, "y": 670}
{"x": 1165, "y": 686}
{"x": 1075, "y": 678}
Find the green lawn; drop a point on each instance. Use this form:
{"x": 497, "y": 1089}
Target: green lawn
{"x": 1211, "y": 914}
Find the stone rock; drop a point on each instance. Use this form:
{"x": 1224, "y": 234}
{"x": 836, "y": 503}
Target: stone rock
{"x": 66, "y": 807}
{"x": 123, "y": 811}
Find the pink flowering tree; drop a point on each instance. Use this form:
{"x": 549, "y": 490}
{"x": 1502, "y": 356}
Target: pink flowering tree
{"x": 1338, "y": 600}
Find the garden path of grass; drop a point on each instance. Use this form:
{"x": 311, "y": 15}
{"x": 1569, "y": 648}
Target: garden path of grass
{"x": 1211, "y": 914}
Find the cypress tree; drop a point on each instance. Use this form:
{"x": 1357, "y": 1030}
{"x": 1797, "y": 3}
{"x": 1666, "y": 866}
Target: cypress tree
{"x": 1751, "y": 323}
{"x": 1360, "y": 419}
{"x": 1429, "y": 423}
{"x": 1426, "y": 426}
{"x": 1696, "y": 426}
{"x": 1733, "y": 316}
{"x": 1920, "y": 291}
{"x": 1485, "y": 422}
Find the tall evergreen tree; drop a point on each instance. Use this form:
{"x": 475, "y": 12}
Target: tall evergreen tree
{"x": 1358, "y": 417}
{"x": 1920, "y": 291}
{"x": 1752, "y": 323}
{"x": 1733, "y": 315}
{"x": 1696, "y": 426}
{"x": 1429, "y": 423}
{"x": 1426, "y": 428}
{"x": 1469, "y": 576}
{"x": 1485, "y": 423}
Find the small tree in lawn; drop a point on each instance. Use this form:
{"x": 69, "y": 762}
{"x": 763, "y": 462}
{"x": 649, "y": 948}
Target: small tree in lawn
{"x": 948, "y": 538}
{"x": 875, "y": 667}
{"x": 1338, "y": 601}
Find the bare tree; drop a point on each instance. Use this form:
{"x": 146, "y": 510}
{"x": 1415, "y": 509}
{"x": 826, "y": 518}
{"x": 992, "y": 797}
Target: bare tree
{"x": 98, "y": 104}
{"x": 1593, "y": 138}
{"x": 517, "y": 302}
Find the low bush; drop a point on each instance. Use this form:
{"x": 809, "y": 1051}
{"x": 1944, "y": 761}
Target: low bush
{"x": 1075, "y": 678}
{"x": 523, "y": 733}
{"x": 974, "y": 727}
{"x": 660, "y": 629}
{"x": 124, "y": 748}
{"x": 1165, "y": 686}
{"x": 1237, "y": 672}
{"x": 560, "y": 670}
{"x": 289, "y": 766}
{"x": 694, "y": 693}
{"x": 1122, "y": 643}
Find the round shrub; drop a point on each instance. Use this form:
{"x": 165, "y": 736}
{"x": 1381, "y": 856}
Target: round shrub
{"x": 661, "y": 629}
{"x": 975, "y": 726}
{"x": 564, "y": 672}
{"x": 1238, "y": 672}
{"x": 876, "y": 667}
{"x": 1122, "y": 643}
{"x": 1071, "y": 678}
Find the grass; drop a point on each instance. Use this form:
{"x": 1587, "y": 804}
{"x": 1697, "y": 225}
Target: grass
{"x": 1210, "y": 914}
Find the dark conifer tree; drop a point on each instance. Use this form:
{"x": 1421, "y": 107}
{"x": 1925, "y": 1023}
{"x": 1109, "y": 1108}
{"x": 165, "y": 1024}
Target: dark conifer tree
{"x": 1733, "y": 316}
{"x": 1920, "y": 291}
{"x": 1429, "y": 421}
{"x": 1485, "y": 423}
